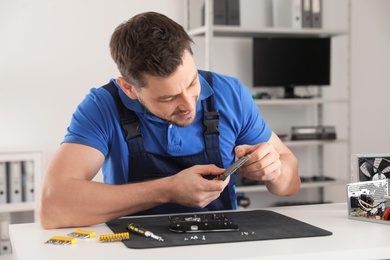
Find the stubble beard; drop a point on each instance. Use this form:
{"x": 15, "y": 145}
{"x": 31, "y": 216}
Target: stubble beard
{"x": 169, "y": 119}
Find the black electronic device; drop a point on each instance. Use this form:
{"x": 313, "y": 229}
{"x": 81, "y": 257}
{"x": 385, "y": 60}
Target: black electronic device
{"x": 234, "y": 167}
{"x": 290, "y": 62}
{"x": 313, "y": 133}
{"x": 212, "y": 222}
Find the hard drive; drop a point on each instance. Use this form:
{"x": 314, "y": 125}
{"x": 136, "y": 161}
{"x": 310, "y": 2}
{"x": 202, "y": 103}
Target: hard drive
{"x": 201, "y": 223}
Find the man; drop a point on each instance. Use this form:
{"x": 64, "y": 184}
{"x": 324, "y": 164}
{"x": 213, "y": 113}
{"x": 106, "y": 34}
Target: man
{"x": 162, "y": 133}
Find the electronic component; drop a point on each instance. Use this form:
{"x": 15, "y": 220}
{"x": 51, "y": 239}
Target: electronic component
{"x": 313, "y": 133}
{"x": 234, "y": 167}
{"x": 114, "y": 237}
{"x": 140, "y": 230}
{"x": 201, "y": 223}
{"x": 82, "y": 234}
{"x": 59, "y": 240}
{"x": 369, "y": 201}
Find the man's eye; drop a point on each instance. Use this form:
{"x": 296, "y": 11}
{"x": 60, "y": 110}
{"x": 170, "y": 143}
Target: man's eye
{"x": 165, "y": 100}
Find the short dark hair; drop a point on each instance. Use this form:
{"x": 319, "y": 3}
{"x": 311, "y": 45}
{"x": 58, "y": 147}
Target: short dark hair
{"x": 149, "y": 43}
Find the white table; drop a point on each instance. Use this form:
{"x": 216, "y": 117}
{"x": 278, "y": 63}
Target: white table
{"x": 351, "y": 239}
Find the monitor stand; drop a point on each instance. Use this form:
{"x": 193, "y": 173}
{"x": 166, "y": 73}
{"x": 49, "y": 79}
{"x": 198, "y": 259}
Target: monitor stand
{"x": 289, "y": 92}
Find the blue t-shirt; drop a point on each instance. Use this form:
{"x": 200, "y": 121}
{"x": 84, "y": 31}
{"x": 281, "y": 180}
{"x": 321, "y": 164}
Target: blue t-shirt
{"x": 96, "y": 123}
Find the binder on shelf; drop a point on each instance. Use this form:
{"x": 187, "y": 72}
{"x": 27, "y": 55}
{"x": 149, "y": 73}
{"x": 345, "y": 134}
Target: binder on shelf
{"x": 287, "y": 13}
{"x": 219, "y": 12}
{"x": 220, "y": 15}
{"x": 14, "y": 180}
{"x": 233, "y": 12}
{"x": 5, "y": 247}
{"x": 316, "y": 13}
{"x": 3, "y": 183}
{"x": 5, "y": 243}
{"x": 28, "y": 181}
{"x": 306, "y": 14}
{"x": 225, "y": 12}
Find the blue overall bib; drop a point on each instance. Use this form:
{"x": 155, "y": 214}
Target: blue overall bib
{"x": 148, "y": 166}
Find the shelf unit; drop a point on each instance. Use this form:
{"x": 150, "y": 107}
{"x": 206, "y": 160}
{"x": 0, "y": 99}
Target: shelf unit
{"x": 236, "y": 31}
{"x": 308, "y": 101}
{"x": 309, "y": 185}
{"x": 209, "y": 32}
{"x": 24, "y": 155}
{"x": 21, "y": 211}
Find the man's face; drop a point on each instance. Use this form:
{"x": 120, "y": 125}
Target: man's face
{"x": 174, "y": 98}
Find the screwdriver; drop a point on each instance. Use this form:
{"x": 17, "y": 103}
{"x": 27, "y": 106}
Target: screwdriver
{"x": 139, "y": 230}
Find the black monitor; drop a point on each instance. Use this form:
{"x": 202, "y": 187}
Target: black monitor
{"x": 290, "y": 62}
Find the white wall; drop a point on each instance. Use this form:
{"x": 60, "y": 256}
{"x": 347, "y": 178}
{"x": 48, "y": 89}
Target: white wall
{"x": 370, "y": 76}
{"x": 53, "y": 52}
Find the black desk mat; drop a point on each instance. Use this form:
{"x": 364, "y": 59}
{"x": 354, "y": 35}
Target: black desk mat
{"x": 253, "y": 225}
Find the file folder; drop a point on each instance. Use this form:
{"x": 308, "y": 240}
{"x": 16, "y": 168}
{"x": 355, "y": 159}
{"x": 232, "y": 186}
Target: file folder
{"x": 14, "y": 180}
{"x": 220, "y": 16}
{"x": 287, "y": 13}
{"x": 316, "y": 15}
{"x": 233, "y": 12}
{"x": 306, "y": 13}
{"x": 5, "y": 243}
{"x": 28, "y": 181}
{"x": 5, "y": 247}
{"x": 3, "y": 183}
{"x": 219, "y": 12}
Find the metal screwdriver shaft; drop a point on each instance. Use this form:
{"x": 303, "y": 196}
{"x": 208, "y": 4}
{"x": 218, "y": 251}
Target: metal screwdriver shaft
{"x": 139, "y": 230}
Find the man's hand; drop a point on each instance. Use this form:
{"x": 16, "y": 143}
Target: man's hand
{"x": 191, "y": 189}
{"x": 273, "y": 163}
{"x": 264, "y": 164}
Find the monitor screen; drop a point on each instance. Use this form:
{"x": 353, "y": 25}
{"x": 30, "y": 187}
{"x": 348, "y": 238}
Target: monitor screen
{"x": 290, "y": 62}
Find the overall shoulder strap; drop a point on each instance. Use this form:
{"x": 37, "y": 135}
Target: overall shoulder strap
{"x": 129, "y": 119}
{"x": 207, "y": 75}
{"x": 210, "y": 116}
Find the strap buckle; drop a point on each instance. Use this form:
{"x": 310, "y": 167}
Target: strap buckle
{"x": 211, "y": 122}
{"x": 131, "y": 126}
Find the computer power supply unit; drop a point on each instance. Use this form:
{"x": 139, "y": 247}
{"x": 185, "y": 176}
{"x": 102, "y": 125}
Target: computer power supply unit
{"x": 369, "y": 201}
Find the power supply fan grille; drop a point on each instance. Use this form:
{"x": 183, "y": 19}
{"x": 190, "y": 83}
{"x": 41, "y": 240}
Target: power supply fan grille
{"x": 374, "y": 168}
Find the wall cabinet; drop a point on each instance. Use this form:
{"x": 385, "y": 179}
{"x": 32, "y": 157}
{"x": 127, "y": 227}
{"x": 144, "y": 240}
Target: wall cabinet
{"x": 315, "y": 156}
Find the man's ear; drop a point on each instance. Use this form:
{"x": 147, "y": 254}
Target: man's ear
{"x": 127, "y": 88}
